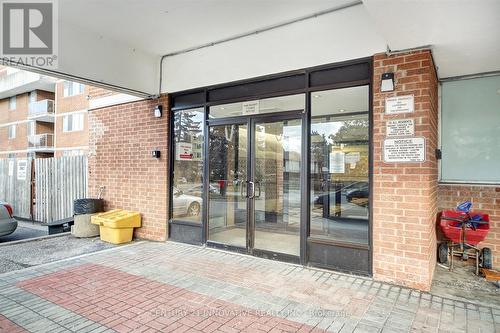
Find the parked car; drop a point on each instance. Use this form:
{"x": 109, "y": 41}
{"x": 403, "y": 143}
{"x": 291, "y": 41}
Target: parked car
{"x": 7, "y": 223}
{"x": 198, "y": 190}
{"x": 184, "y": 204}
{"x": 359, "y": 195}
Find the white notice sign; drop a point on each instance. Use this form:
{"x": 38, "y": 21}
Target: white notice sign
{"x": 352, "y": 157}
{"x": 251, "y": 107}
{"x": 184, "y": 151}
{"x": 22, "y": 166}
{"x": 400, "y": 127}
{"x": 404, "y": 150}
{"x": 399, "y": 104}
{"x": 11, "y": 168}
{"x": 337, "y": 162}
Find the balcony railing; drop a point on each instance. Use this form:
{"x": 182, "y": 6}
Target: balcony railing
{"x": 17, "y": 79}
{"x": 41, "y": 108}
{"x": 41, "y": 141}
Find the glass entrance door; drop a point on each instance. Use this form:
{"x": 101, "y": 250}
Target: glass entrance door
{"x": 276, "y": 175}
{"x": 253, "y": 191}
{"x": 227, "y": 190}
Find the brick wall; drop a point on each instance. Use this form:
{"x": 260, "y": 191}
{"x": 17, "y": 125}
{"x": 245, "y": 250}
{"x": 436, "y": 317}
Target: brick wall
{"x": 405, "y": 194}
{"x": 96, "y": 92}
{"x": 120, "y": 144}
{"x": 484, "y": 198}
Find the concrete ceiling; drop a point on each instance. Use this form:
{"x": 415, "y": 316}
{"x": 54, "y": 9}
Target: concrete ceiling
{"x": 120, "y": 42}
{"x": 464, "y": 34}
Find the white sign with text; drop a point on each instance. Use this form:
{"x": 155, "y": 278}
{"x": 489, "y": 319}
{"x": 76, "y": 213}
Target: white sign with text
{"x": 400, "y": 127}
{"x": 399, "y": 104}
{"x": 404, "y": 150}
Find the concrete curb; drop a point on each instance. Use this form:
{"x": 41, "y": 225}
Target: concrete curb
{"x": 34, "y": 239}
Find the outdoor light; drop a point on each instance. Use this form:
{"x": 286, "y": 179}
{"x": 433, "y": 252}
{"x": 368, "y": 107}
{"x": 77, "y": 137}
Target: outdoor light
{"x": 158, "y": 111}
{"x": 387, "y": 82}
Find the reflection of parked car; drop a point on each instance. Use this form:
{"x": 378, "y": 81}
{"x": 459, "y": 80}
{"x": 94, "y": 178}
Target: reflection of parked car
{"x": 184, "y": 204}
{"x": 359, "y": 195}
{"x": 7, "y": 223}
{"x": 198, "y": 190}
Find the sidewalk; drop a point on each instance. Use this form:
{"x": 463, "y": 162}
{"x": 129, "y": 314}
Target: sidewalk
{"x": 170, "y": 287}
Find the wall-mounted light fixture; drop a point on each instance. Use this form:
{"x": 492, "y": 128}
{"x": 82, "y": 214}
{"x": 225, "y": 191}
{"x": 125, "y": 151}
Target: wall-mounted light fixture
{"x": 158, "y": 111}
{"x": 387, "y": 82}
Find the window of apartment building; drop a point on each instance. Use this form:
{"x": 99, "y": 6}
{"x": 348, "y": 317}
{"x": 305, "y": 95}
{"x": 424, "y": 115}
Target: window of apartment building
{"x": 11, "y": 155}
{"x": 73, "y": 122}
{"x": 32, "y": 96}
{"x": 12, "y": 103}
{"x": 470, "y": 132}
{"x": 73, "y": 88}
{"x": 31, "y": 128}
{"x": 12, "y": 131}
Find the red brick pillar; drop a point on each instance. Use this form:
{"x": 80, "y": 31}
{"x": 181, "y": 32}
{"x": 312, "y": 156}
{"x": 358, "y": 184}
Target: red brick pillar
{"x": 405, "y": 194}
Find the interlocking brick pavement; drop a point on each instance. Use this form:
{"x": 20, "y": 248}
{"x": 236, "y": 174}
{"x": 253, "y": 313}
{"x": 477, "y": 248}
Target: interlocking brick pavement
{"x": 171, "y": 287}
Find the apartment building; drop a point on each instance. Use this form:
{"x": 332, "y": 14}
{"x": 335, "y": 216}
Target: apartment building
{"x": 42, "y": 116}
{"x": 26, "y": 114}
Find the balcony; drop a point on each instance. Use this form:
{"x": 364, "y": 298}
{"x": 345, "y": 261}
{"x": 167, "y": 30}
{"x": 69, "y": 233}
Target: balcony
{"x": 19, "y": 82}
{"x": 41, "y": 142}
{"x": 41, "y": 110}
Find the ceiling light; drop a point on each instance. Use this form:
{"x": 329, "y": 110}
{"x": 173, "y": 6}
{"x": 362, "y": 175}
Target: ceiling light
{"x": 387, "y": 82}
{"x": 317, "y": 96}
{"x": 341, "y": 110}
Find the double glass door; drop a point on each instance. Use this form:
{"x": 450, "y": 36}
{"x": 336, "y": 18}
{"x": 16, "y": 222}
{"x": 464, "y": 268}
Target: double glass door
{"x": 254, "y": 183}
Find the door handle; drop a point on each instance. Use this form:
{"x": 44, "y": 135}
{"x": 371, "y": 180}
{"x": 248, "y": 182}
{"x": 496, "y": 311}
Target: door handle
{"x": 258, "y": 189}
{"x": 252, "y": 192}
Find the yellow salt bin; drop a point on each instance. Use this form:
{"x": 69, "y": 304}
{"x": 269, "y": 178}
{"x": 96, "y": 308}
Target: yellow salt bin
{"x": 117, "y": 226}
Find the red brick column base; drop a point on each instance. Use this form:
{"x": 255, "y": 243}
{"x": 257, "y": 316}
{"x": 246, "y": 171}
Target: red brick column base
{"x": 405, "y": 194}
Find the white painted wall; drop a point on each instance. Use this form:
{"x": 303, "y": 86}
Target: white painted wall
{"x": 343, "y": 35}
{"x": 91, "y": 56}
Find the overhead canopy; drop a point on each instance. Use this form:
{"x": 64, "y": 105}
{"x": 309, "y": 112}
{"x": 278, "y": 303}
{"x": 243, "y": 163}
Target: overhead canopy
{"x": 121, "y": 42}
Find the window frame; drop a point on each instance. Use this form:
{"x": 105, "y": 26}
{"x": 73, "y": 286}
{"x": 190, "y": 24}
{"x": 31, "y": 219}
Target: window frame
{"x": 12, "y": 131}
{"x": 12, "y": 103}
{"x": 71, "y": 88}
{"x": 69, "y": 126}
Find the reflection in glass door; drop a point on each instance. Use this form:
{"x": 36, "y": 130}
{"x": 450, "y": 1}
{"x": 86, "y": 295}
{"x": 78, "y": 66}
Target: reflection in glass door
{"x": 227, "y": 190}
{"x": 276, "y": 178}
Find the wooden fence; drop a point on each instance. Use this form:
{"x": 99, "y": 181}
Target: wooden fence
{"x": 43, "y": 189}
{"x": 15, "y": 185}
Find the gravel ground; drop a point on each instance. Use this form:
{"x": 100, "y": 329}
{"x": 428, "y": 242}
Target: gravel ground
{"x": 36, "y": 252}
{"x": 463, "y": 284}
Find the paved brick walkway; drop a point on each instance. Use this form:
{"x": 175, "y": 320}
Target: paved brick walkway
{"x": 170, "y": 287}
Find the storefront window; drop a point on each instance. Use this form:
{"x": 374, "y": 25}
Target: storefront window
{"x": 470, "y": 130}
{"x": 187, "y": 191}
{"x": 340, "y": 164}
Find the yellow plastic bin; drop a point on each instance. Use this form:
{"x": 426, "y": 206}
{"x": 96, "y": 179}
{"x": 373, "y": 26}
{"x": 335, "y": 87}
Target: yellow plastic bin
{"x": 117, "y": 226}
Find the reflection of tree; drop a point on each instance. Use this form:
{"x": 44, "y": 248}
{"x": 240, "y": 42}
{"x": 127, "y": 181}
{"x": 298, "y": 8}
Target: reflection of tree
{"x": 219, "y": 145}
{"x": 351, "y": 130}
{"x": 185, "y": 126}
{"x": 188, "y": 127}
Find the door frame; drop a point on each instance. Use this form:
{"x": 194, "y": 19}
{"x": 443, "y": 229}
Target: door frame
{"x": 351, "y": 73}
{"x": 251, "y": 121}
